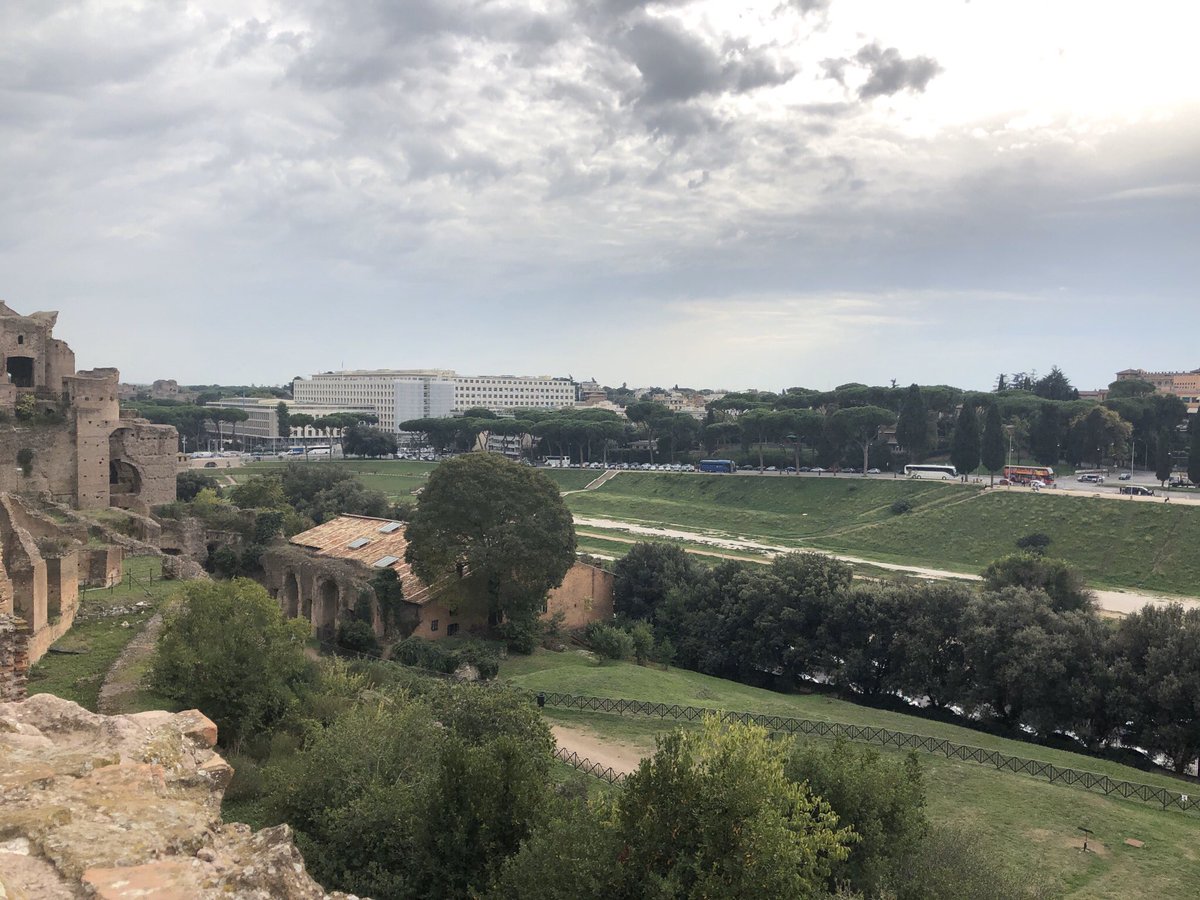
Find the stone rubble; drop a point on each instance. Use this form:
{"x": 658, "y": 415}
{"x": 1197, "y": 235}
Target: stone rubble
{"x": 117, "y": 807}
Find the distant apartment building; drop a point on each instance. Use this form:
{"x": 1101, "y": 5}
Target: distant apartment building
{"x": 401, "y": 395}
{"x": 1184, "y": 385}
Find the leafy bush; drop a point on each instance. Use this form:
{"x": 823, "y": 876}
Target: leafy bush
{"x": 25, "y": 460}
{"x": 1034, "y": 543}
{"x": 642, "y": 636}
{"x": 901, "y": 506}
{"x": 521, "y": 634}
{"x": 189, "y": 484}
{"x": 356, "y": 636}
{"x": 608, "y": 641}
{"x": 227, "y": 649}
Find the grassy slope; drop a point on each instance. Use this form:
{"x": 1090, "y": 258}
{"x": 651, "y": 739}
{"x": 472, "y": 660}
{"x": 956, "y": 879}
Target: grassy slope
{"x": 78, "y": 677}
{"x": 1025, "y": 822}
{"x": 1132, "y": 545}
{"x": 1137, "y": 545}
{"x": 790, "y": 510}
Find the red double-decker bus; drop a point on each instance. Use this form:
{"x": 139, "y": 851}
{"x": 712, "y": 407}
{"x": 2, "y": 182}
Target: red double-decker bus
{"x": 1027, "y": 474}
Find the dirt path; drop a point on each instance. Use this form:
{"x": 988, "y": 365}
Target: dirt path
{"x": 588, "y": 744}
{"x": 120, "y": 680}
{"x": 607, "y": 476}
{"x": 1122, "y": 602}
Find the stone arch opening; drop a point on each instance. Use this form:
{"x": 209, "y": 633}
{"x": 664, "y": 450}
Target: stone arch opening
{"x": 291, "y": 595}
{"x": 20, "y": 371}
{"x": 123, "y": 478}
{"x": 325, "y": 619}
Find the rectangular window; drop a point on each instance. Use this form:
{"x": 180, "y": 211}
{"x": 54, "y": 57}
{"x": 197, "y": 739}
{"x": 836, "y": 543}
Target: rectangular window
{"x": 452, "y": 629}
{"x": 433, "y": 626}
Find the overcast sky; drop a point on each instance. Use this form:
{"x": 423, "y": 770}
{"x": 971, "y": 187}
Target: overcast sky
{"x": 699, "y": 192}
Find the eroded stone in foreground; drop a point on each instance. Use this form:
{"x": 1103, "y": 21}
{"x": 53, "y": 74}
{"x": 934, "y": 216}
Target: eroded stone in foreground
{"x": 128, "y": 806}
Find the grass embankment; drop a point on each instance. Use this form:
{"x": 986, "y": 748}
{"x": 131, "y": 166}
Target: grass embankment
{"x": 769, "y": 509}
{"x": 1148, "y": 546}
{"x": 1025, "y": 822}
{"x": 954, "y": 527}
{"x": 100, "y": 634}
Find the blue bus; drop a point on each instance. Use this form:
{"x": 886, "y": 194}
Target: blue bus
{"x": 718, "y": 465}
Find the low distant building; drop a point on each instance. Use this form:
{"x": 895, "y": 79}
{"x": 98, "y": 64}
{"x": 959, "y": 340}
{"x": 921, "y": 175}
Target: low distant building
{"x": 261, "y": 429}
{"x": 326, "y": 572}
{"x": 1184, "y": 385}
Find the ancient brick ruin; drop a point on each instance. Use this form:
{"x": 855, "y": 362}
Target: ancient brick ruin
{"x": 65, "y": 435}
{"x": 63, "y": 440}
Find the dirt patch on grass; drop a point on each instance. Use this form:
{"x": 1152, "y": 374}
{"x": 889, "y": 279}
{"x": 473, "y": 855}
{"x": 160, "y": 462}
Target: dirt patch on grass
{"x": 619, "y": 757}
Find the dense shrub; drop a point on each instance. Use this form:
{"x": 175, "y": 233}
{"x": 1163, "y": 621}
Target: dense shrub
{"x": 901, "y": 506}
{"x": 227, "y": 650}
{"x": 357, "y": 636}
{"x": 608, "y": 641}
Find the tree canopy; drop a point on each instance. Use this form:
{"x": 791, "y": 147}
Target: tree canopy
{"x": 495, "y": 524}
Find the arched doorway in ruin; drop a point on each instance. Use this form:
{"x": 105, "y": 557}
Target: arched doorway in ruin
{"x": 291, "y": 595}
{"x": 124, "y": 478}
{"x": 325, "y": 619}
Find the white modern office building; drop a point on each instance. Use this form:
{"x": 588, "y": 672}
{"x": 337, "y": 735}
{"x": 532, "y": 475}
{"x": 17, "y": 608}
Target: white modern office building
{"x": 401, "y": 395}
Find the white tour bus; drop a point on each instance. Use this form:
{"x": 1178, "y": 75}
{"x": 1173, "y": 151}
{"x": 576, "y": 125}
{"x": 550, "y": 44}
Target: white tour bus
{"x": 931, "y": 471}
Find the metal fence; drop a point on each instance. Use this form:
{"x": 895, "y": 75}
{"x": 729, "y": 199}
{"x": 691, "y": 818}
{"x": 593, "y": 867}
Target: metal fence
{"x": 604, "y": 773}
{"x": 1090, "y": 781}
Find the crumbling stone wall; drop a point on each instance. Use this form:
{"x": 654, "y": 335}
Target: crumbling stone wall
{"x": 102, "y": 566}
{"x": 150, "y": 451}
{"x": 321, "y": 589}
{"x": 14, "y": 658}
{"x": 586, "y": 595}
{"x": 41, "y": 568}
{"x": 92, "y": 454}
{"x": 184, "y": 537}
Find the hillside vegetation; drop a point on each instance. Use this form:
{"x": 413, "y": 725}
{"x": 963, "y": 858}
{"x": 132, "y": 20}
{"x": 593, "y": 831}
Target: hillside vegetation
{"x": 1028, "y": 824}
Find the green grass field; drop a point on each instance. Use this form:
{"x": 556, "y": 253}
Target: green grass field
{"x": 789, "y": 511}
{"x": 953, "y": 527}
{"x": 97, "y": 640}
{"x": 1136, "y": 545}
{"x": 1025, "y": 822}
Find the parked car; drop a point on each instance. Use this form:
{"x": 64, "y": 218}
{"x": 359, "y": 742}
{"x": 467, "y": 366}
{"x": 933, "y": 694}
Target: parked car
{"x": 1136, "y": 489}
{"x": 874, "y": 472}
{"x": 1124, "y": 476}
{"x": 1180, "y": 483}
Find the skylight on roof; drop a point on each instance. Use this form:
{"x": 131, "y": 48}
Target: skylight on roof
{"x": 358, "y": 543}
{"x": 386, "y": 562}
{"x": 390, "y": 527}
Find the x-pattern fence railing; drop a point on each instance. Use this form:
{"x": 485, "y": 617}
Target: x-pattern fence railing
{"x": 787, "y": 725}
{"x": 585, "y": 765}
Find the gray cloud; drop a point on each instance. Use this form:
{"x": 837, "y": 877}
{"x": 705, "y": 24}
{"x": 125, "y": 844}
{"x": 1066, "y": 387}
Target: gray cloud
{"x": 676, "y": 65}
{"x": 422, "y": 165}
{"x": 890, "y": 73}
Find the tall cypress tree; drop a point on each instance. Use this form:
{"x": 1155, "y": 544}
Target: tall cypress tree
{"x": 964, "y": 447}
{"x": 1162, "y": 457}
{"x": 1194, "y": 449}
{"x": 912, "y": 428}
{"x": 1047, "y": 435}
{"x": 992, "y": 451}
